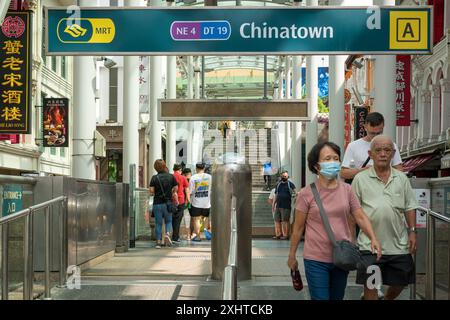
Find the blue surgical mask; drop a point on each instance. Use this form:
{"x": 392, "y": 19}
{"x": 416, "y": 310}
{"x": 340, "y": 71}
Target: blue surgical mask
{"x": 330, "y": 170}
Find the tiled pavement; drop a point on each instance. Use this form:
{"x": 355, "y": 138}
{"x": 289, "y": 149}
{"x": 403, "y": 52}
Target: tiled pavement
{"x": 182, "y": 273}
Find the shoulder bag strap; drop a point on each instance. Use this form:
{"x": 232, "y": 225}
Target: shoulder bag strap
{"x": 325, "y": 221}
{"x": 162, "y": 189}
{"x": 366, "y": 162}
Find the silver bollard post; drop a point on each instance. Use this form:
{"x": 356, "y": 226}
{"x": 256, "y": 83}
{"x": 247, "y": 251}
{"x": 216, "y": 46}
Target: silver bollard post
{"x": 430, "y": 290}
{"x": 62, "y": 269}
{"x": 412, "y": 290}
{"x": 5, "y": 281}
{"x": 28, "y": 257}
{"x": 47, "y": 253}
{"x": 230, "y": 277}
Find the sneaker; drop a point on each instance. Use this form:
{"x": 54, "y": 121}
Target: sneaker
{"x": 196, "y": 239}
{"x": 157, "y": 246}
{"x": 167, "y": 240}
{"x": 176, "y": 241}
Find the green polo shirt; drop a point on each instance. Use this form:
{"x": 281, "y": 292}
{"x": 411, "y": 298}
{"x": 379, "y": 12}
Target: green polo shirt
{"x": 385, "y": 205}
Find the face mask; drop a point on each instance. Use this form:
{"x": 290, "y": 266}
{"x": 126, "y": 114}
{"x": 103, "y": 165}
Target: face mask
{"x": 330, "y": 170}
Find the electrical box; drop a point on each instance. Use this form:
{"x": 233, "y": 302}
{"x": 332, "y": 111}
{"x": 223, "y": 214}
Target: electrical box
{"x": 99, "y": 145}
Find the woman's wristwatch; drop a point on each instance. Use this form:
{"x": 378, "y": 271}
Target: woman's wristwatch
{"x": 412, "y": 229}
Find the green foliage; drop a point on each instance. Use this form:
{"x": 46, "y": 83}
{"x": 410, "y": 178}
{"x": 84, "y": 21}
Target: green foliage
{"x": 322, "y": 107}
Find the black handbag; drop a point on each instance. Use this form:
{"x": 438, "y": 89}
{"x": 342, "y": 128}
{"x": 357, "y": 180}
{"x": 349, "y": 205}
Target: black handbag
{"x": 171, "y": 207}
{"x": 346, "y": 255}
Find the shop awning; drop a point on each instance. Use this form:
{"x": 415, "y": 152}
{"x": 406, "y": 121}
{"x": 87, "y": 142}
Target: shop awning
{"x": 415, "y": 162}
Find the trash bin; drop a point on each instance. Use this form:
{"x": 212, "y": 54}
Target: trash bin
{"x": 227, "y": 180}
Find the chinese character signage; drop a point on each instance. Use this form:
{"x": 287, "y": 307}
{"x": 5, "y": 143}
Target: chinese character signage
{"x": 15, "y": 73}
{"x": 56, "y": 122}
{"x": 360, "y": 119}
{"x": 12, "y": 199}
{"x": 347, "y": 127}
{"x": 403, "y": 90}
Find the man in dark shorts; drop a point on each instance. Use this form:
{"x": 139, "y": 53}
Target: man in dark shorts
{"x": 389, "y": 201}
{"x": 200, "y": 187}
{"x": 284, "y": 191}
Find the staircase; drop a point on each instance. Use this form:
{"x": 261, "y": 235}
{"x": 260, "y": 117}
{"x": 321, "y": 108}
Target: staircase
{"x": 256, "y": 146}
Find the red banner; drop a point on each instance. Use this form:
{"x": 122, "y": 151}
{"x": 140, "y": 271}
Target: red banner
{"x": 403, "y": 90}
{"x": 347, "y": 127}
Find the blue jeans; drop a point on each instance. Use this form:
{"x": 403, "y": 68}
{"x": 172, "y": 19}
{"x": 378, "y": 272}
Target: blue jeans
{"x": 160, "y": 211}
{"x": 325, "y": 281}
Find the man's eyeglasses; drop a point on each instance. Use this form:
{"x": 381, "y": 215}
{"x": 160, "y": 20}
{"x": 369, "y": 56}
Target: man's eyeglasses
{"x": 386, "y": 150}
{"x": 374, "y": 134}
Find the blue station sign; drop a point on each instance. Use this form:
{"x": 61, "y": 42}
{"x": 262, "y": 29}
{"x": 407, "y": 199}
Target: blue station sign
{"x": 230, "y": 31}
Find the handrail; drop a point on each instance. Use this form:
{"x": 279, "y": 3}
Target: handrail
{"x": 17, "y": 180}
{"x": 25, "y": 212}
{"x": 229, "y": 290}
{"x": 430, "y": 264}
{"x": 28, "y": 215}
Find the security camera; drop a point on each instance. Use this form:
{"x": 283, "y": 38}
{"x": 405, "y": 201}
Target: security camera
{"x": 108, "y": 63}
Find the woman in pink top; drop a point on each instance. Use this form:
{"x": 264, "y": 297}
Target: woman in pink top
{"x": 326, "y": 281}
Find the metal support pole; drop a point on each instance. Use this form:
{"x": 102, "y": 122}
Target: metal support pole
{"x": 131, "y": 206}
{"x": 430, "y": 288}
{"x": 5, "y": 281}
{"x": 203, "y": 92}
{"x": 62, "y": 247}
{"x": 47, "y": 253}
{"x": 448, "y": 264}
{"x": 28, "y": 257}
{"x": 413, "y": 288}
{"x": 230, "y": 277}
{"x": 265, "y": 77}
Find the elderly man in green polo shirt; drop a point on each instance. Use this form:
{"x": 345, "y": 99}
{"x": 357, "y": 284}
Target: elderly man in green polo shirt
{"x": 388, "y": 200}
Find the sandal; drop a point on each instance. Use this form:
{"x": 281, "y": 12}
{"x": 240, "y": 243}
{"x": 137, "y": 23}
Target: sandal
{"x": 276, "y": 237}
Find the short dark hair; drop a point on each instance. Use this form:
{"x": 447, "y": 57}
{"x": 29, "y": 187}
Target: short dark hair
{"x": 186, "y": 171}
{"x": 200, "y": 165}
{"x": 284, "y": 171}
{"x": 177, "y": 167}
{"x": 374, "y": 119}
{"x": 314, "y": 154}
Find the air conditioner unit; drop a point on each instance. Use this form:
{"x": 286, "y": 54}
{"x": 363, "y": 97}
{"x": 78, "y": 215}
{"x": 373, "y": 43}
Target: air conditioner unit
{"x": 99, "y": 145}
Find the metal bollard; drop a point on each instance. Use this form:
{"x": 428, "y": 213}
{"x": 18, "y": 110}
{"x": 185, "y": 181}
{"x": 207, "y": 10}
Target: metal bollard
{"x": 62, "y": 269}
{"x": 230, "y": 283}
{"x": 430, "y": 290}
{"x": 28, "y": 257}
{"x": 47, "y": 253}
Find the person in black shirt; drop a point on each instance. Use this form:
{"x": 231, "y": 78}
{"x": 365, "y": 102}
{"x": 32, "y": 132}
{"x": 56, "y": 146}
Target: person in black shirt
{"x": 164, "y": 188}
{"x": 284, "y": 192}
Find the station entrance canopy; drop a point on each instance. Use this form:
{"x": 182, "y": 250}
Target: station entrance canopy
{"x": 242, "y": 31}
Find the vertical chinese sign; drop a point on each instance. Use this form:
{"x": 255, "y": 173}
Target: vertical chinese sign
{"x": 347, "y": 127}
{"x": 15, "y": 73}
{"x": 403, "y": 91}
{"x": 360, "y": 119}
{"x": 56, "y": 122}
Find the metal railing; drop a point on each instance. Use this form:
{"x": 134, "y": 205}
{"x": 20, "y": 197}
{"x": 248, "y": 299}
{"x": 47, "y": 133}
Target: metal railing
{"x": 229, "y": 289}
{"x": 28, "y": 215}
{"x": 430, "y": 265}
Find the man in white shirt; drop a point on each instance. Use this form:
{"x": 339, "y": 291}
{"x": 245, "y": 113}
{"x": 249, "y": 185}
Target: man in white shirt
{"x": 200, "y": 187}
{"x": 356, "y": 158}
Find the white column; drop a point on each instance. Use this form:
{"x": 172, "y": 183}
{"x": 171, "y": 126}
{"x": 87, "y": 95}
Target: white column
{"x": 296, "y": 146}
{"x": 171, "y": 125}
{"x": 336, "y": 100}
{"x": 424, "y": 120}
{"x": 190, "y": 95}
{"x": 155, "y": 94}
{"x": 445, "y": 116}
{"x": 83, "y": 161}
{"x": 287, "y": 128}
{"x": 197, "y": 133}
{"x": 131, "y": 111}
{"x": 435, "y": 112}
{"x": 446, "y": 17}
{"x": 312, "y": 93}
{"x": 385, "y": 85}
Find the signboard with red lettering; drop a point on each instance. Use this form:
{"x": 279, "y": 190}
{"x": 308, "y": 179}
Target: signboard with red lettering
{"x": 403, "y": 67}
{"x": 56, "y": 122}
{"x": 15, "y": 73}
{"x": 347, "y": 127}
